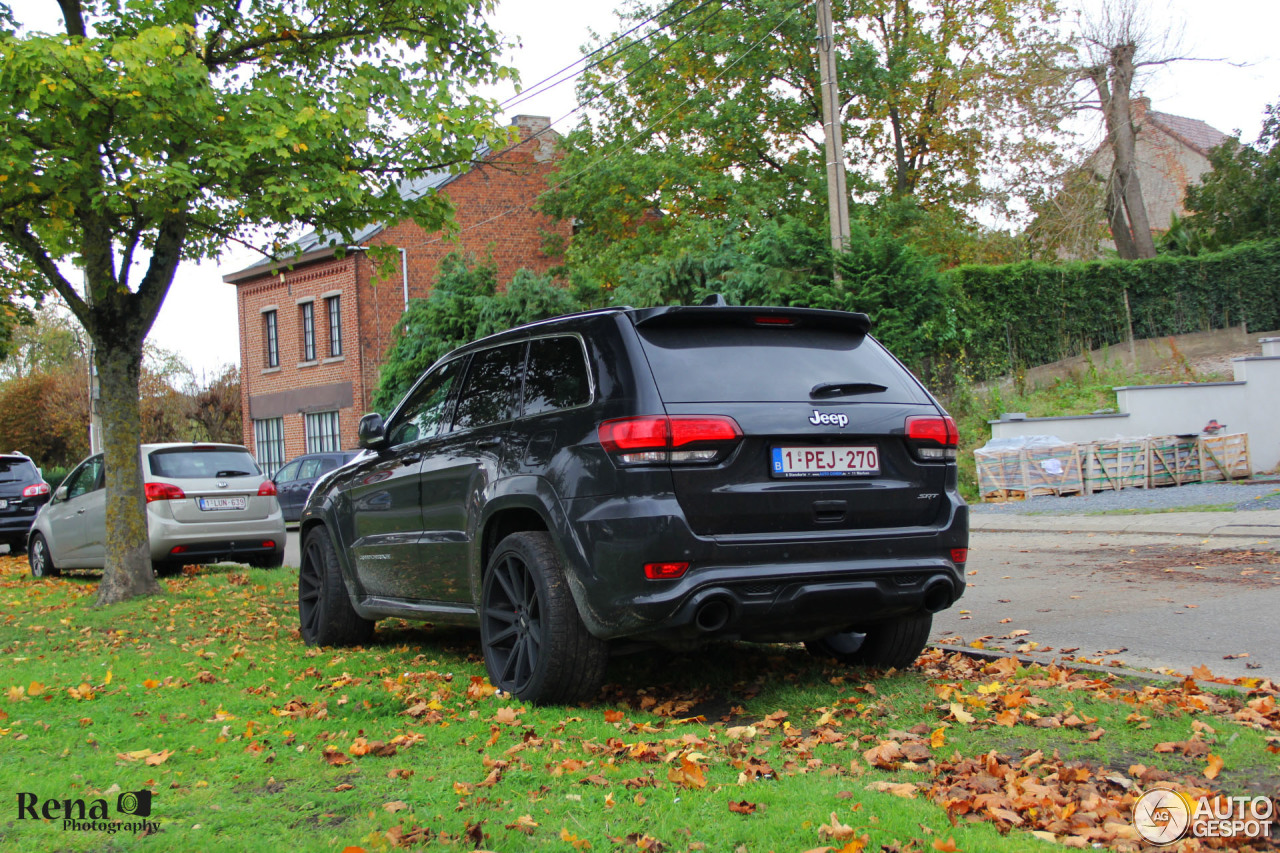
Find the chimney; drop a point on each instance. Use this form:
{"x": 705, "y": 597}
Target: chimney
{"x": 530, "y": 125}
{"x": 1141, "y": 106}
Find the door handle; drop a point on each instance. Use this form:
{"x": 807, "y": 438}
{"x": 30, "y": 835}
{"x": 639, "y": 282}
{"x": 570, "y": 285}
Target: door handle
{"x": 411, "y": 457}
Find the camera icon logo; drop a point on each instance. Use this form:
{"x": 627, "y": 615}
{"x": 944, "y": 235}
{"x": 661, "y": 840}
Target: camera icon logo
{"x": 134, "y": 803}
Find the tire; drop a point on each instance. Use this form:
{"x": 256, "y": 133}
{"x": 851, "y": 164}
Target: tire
{"x": 535, "y": 644}
{"x": 325, "y": 614}
{"x": 40, "y": 559}
{"x": 890, "y": 644}
{"x": 272, "y": 561}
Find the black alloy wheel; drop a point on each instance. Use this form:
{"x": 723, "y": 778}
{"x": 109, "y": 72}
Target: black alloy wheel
{"x": 325, "y": 614}
{"x": 40, "y": 559}
{"x": 535, "y": 644}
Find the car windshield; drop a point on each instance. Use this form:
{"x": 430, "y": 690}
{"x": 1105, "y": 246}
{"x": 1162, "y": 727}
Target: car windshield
{"x": 200, "y": 462}
{"x": 17, "y": 470}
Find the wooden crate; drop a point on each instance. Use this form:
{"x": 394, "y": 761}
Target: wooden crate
{"x": 1174, "y": 460}
{"x": 1045, "y": 470}
{"x": 1120, "y": 464}
{"x": 1224, "y": 457}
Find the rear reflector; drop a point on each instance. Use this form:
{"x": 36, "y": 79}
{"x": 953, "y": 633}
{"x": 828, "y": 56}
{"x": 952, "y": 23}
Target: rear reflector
{"x": 665, "y": 571}
{"x": 163, "y": 492}
{"x": 654, "y": 439}
{"x": 178, "y": 549}
{"x": 271, "y": 543}
{"x": 959, "y": 555}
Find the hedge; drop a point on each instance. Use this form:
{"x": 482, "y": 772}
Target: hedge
{"x": 1033, "y": 313}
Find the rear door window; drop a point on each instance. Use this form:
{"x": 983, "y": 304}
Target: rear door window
{"x": 556, "y": 377}
{"x": 713, "y": 363}
{"x": 490, "y": 394}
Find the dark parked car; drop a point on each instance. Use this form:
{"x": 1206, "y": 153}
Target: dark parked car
{"x": 295, "y": 479}
{"x": 22, "y": 492}
{"x": 662, "y": 476}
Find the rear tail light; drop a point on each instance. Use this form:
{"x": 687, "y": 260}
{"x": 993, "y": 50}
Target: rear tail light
{"x": 933, "y": 438}
{"x": 163, "y": 492}
{"x": 959, "y": 556}
{"x": 36, "y": 490}
{"x": 267, "y": 490}
{"x": 657, "y": 439}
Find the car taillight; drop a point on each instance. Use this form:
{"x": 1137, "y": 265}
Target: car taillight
{"x": 36, "y": 490}
{"x": 267, "y": 490}
{"x": 665, "y": 571}
{"x": 163, "y": 492}
{"x": 658, "y": 439}
{"x": 933, "y": 437}
{"x": 959, "y": 556}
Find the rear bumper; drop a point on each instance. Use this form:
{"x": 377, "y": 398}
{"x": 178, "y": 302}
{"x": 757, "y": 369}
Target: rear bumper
{"x": 208, "y": 543}
{"x": 770, "y": 587}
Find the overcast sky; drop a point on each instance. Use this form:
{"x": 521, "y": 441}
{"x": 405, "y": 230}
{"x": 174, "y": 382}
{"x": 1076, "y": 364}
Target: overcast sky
{"x": 199, "y": 318}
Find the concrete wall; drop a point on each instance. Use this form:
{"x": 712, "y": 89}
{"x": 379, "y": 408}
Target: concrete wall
{"x": 1248, "y": 405}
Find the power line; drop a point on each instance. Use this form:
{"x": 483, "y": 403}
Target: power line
{"x": 646, "y": 129}
{"x": 531, "y": 93}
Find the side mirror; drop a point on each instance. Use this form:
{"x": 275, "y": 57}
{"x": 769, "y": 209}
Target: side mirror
{"x": 60, "y": 494}
{"x": 372, "y": 434}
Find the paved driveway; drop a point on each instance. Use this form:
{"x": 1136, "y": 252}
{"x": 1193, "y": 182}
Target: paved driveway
{"x": 1171, "y": 600}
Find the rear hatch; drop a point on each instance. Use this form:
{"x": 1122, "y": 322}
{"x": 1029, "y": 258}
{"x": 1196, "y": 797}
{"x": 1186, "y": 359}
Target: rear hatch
{"x": 824, "y": 412}
{"x": 218, "y": 483}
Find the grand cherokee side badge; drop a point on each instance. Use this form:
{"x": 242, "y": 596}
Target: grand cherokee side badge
{"x": 820, "y": 418}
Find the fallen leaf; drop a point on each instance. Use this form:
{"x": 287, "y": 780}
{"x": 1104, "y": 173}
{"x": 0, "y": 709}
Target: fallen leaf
{"x": 1214, "y": 767}
{"x": 395, "y": 806}
{"x": 948, "y": 846}
{"x": 742, "y": 807}
{"x": 898, "y": 789}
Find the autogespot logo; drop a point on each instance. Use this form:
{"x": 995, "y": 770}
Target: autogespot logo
{"x": 92, "y": 815}
{"x": 1162, "y": 816}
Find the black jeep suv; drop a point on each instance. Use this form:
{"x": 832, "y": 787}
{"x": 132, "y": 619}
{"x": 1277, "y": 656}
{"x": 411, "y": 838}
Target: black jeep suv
{"x": 666, "y": 476}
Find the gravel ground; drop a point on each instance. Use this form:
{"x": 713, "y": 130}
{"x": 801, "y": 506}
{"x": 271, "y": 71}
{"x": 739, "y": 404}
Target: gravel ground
{"x": 1242, "y": 494}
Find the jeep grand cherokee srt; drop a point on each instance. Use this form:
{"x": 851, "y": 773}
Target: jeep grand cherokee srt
{"x": 666, "y": 475}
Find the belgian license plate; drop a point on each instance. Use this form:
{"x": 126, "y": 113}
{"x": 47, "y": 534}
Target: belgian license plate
{"x": 827, "y": 461}
{"x": 239, "y": 502}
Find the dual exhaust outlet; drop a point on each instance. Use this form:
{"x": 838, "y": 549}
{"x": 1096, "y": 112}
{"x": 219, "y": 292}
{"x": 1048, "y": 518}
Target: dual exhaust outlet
{"x": 717, "y": 607}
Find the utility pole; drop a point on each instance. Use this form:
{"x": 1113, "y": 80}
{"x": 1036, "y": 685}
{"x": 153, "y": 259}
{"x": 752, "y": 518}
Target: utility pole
{"x": 837, "y": 192}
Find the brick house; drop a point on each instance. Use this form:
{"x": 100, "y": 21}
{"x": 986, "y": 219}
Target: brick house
{"x": 314, "y": 328}
{"x": 1171, "y": 153}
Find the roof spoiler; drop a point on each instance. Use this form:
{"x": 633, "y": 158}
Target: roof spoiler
{"x": 720, "y": 314}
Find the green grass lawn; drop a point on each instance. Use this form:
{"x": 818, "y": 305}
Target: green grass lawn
{"x": 248, "y": 740}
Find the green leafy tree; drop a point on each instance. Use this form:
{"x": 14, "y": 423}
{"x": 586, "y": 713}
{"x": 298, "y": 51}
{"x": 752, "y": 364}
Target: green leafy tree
{"x": 152, "y": 132}
{"x": 1239, "y": 198}
{"x": 713, "y": 124}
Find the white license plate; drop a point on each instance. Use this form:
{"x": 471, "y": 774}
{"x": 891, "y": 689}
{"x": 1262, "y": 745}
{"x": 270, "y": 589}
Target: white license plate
{"x": 224, "y": 503}
{"x": 828, "y": 461}
{"x": 4, "y": 504}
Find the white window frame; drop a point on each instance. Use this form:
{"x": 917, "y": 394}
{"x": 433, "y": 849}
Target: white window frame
{"x": 334, "y": 306}
{"x": 268, "y": 444}
{"x": 323, "y": 432}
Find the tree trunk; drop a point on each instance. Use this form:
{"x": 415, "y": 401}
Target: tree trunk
{"x": 1124, "y": 170}
{"x": 127, "y": 573}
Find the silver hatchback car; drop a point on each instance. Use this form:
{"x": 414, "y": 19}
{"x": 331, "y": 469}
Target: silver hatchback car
{"x": 205, "y": 503}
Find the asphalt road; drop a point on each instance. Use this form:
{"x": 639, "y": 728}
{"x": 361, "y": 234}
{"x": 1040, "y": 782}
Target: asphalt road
{"x": 1152, "y": 601}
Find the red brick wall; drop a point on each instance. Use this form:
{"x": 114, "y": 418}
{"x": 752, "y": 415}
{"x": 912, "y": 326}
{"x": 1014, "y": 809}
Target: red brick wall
{"x": 492, "y": 203}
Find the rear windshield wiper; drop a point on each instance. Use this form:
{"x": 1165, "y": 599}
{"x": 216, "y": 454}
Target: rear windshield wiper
{"x": 232, "y": 474}
{"x": 844, "y": 389}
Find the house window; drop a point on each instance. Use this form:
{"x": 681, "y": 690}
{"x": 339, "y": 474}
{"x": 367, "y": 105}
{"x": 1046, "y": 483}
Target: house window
{"x": 308, "y": 331}
{"x": 322, "y": 432}
{"x": 272, "y": 338}
{"x": 268, "y": 444}
{"x": 334, "y": 304}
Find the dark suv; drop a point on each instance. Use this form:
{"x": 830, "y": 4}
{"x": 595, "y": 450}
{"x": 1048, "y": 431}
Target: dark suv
{"x": 666, "y": 476}
{"x": 23, "y": 490}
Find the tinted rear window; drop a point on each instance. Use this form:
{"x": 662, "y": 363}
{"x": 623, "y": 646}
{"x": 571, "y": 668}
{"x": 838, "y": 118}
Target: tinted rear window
{"x": 14, "y": 470}
{"x": 556, "y": 377}
{"x": 198, "y": 462}
{"x": 712, "y": 364}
